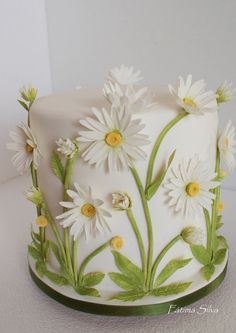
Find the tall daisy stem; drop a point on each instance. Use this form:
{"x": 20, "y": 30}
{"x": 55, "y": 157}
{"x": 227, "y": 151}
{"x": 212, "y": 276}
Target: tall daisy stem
{"x": 216, "y": 202}
{"x": 34, "y": 177}
{"x": 68, "y": 176}
{"x": 148, "y": 221}
{"x": 160, "y": 256}
{"x": 208, "y": 229}
{"x": 139, "y": 240}
{"x": 157, "y": 144}
{"x": 74, "y": 259}
{"x": 89, "y": 258}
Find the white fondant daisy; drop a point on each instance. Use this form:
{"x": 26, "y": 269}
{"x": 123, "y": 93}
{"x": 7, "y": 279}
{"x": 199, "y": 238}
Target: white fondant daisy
{"x": 193, "y": 97}
{"x": 84, "y": 214}
{"x": 134, "y": 100}
{"x": 189, "y": 185}
{"x": 124, "y": 75}
{"x": 67, "y": 147}
{"x": 225, "y": 92}
{"x": 114, "y": 139}
{"x": 226, "y": 144}
{"x": 24, "y": 143}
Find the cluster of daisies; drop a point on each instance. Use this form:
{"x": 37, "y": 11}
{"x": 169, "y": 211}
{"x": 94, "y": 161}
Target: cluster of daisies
{"x": 114, "y": 138}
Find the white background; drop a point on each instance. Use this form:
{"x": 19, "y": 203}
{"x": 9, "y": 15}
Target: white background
{"x": 163, "y": 38}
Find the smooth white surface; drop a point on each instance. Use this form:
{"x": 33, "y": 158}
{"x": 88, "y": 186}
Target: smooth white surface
{"x": 24, "y": 59}
{"x": 163, "y": 38}
{"x": 58, "y": 116}
{"x": 25, "y": 309}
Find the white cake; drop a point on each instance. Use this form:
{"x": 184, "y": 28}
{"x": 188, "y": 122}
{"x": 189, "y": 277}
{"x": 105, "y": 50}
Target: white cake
{"x": 156, "y": 235}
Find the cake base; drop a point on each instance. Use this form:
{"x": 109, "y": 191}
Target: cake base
{"x": 102, "y": 306}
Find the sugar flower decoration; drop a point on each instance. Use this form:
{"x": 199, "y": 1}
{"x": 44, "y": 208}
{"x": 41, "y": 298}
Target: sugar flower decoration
{"x": 35, "y": 195}
{"x": 114, "y": 139}
{"x": 67, "y": 147}
{"x": 84, "y": 214}
{"x": 192, "y": 235}
{"x": 121, "y": 201}
{"x": 224, "y": 92}
{"x": 226, "y": 145}
{"x": 134, "y": 100}
{"x": 28, "y": 96}
{"x": 25, "y": 145}
{"x": 124, "y": 75}
{"x": 189, "y": 187}
{"x": 117, "y": 243}
{"x": 192, "y": 97}
{"x": 42, "y": 221}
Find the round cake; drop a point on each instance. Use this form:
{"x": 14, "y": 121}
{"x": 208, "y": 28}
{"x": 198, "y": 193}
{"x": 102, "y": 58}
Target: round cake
{"x": 126, "y": 182}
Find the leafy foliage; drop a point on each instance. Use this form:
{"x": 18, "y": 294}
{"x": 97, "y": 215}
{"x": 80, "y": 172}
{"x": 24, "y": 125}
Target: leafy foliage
{"x": 127, "y": 296}
{"x": 219, "y": 256}
{"x": 57, "y": 166}
{"x": 87, "y": 291}
{"x": 170, "y": 269}
{"x": 171, "y": 289}
{"x": 92, "y": 279}
{"x": 200, "y": 253}
{"x": 207, "y": 271}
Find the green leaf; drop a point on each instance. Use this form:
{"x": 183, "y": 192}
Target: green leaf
{"x": 92, "y": 279}
{"x": 56, "y": 278}
{"x": 128, "y": 268}
{"x": 56, "y": 252}
{"x": 34, "y": 252}
{"x": 123, "y": 281}
{"x": 35, "y": 236}
{"x": 219, "y": 224}
{"x": 40, "y": 267}
{"x": 170, "y": 269}
{"x": 207, "y": 271}
{"x": 200, "y": 253}
{"x": 25, "y": 106}
{"x": 127, "y": 296}
{"x": 57, "y": 166}
{"x": 219, "y": 256}
{"x": 87, "y": 291}
{"x": 152, "y": 189}
{"x": 67, "y": 274}
{"x": 171, "y": 289}
{"x": 222, "y": 242}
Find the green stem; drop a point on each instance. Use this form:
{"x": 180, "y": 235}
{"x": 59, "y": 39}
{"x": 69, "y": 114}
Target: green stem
{"x": 208, "y": 229}
{"x": 160, "y": 256}
{"x": 139, "y": 240}
{"x": 148, "y": 221}
{"x": 157, "y": 146}
{"x": 74, "y": 259}
{"x": 216, "y": 202}
{"x": 54, "y": 229}
{"x": 68, "y": 176}
{"x": 89, "y": 258}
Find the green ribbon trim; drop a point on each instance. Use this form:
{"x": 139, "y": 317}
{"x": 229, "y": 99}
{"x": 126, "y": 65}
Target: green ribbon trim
{"x": 117, "y": 310}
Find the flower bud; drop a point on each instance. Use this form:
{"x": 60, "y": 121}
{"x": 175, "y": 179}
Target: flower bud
{"x": 192, "y": 235}
{"x": 121, "y": 201}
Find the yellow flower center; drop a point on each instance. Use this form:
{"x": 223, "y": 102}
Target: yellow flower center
{"x": 29, "y": 148}
{"x": 42, "y": 221}
{"x": 114, "y": 139}
{"x": 88, "y": 210}
{"x": 220, "y": 206}
{"x": 117, "y": 243}
{"x": 193, "y": 189}
{"x": 226, "y": 142}
{"x": 190, "y": 102}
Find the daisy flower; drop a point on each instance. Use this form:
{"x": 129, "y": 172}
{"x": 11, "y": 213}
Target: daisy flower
{"x": 84, "y": 213}
{"x": 189, "y": 187}
{"x": 114, "y": 139}
{"x": 67, "y": 147}
{"x": 192, "y": 97}
{"x": 224, "y": 92}
{"x": 134, "y": 100}
{"x": 25, "y": 144}
{"x": 124, "y": 75}
{"x": 226, "y": 145}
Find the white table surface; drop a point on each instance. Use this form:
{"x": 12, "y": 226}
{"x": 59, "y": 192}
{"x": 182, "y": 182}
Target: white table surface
{"x": 26, "y": 309}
